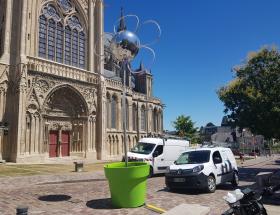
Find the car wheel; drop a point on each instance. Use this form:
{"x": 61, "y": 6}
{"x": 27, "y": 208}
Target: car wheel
{"x": 151, "y": 173}
{"x": 211, "y": 184}
{"x": 170, "y": 189}
{"x": 235, "y": 179}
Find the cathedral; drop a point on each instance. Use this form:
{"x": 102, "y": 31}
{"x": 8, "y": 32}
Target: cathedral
{"x": 57, "y": 97}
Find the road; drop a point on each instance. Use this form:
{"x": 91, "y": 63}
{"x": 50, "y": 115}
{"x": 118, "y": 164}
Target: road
{"x": 88, "y": 193}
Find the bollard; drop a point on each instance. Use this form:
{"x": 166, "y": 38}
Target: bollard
{"x": 22, "y": 210}
{"x": 263, "y": 179}
{"x": 79, "y": 165}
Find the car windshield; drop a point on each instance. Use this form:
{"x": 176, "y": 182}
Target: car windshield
{"x": 143, "y": 148}
{"x": 193, "y": 157}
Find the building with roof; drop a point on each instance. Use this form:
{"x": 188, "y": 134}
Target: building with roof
{"x": 57, "y": 96}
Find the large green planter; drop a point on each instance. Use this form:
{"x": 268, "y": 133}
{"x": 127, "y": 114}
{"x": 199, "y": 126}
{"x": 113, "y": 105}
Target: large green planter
{"x": 127, "y": 184}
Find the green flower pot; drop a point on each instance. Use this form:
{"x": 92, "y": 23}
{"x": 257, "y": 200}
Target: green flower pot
{"x": 127, "y": 184}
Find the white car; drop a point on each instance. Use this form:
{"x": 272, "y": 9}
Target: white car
{"x": 203, "y": 168}
{"x": 158, "y": 152}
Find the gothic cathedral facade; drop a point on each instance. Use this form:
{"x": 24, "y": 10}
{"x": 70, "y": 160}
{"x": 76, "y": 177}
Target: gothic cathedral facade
{"x": 57, "y": 97}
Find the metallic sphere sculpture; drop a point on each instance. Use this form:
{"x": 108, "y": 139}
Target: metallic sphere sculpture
{"x": 125, "y": 45}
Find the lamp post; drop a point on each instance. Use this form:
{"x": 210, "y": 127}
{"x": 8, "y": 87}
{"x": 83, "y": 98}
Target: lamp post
{"x": 243, "y": 139}
{"x": 254, "y": 144}
{"x": 125, "y": 46}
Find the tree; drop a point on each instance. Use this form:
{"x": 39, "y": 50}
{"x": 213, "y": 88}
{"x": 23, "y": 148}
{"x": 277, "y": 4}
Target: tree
{"x": 209, "y": 124}
{"x": 252, "y": 98}
{"x": 185, "y": 127}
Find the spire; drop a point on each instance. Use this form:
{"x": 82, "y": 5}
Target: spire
{"x": 142, "y": 68}
{"x": 122, "y": 26}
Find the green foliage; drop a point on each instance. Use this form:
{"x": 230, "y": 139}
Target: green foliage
{"x": 185, "y": 127}
{"x": 196, "y": 139}
{"x": 252, "y": 98}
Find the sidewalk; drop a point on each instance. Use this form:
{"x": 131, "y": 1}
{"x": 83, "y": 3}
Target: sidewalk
{"x": 258, "y": 160}
{"x": 30, "y": 181}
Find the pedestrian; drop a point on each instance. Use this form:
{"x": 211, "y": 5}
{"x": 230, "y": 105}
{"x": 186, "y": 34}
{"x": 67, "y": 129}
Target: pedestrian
{"x": 241, "y": 157}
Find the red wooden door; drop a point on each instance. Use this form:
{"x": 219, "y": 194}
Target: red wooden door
{"x": 53, "y": 144}
{"x": 65, "y": 137}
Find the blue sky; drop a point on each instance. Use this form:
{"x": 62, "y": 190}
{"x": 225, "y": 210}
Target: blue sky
{"x": 201, "y": 41}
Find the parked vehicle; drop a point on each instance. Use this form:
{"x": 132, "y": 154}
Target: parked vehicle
{"x": 244, "y": 202}
{"x": 160, "y": 153}
{"x": 203, "y": 168}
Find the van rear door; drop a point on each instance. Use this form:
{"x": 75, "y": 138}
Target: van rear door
{"x": 170, "y": 154}
{"x": 158, "y": 159}
{"x": 228, "y": 165}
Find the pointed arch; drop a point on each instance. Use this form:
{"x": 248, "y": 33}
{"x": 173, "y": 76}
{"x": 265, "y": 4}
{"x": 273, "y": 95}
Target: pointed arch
{"x": 155, "y": 119}
{"x": 134, "y": 117}
{"x": 143, "y": 118}
{"x": 114, "y": 112}
{"x": 113, "y": 145}
{"x": 81, "y": 13}
{"x": 68, "y": 98}
{"x": 110, "y": 150}
{"x": 116, "y": 145}
{"x": 129, "y": 143}
{"x": 108, "y": 110}
{"x": 122, "y": 144}
{"x": 63, "y": 33}
{"x": 160, "y": 128}
{"x": 127, "y": 114}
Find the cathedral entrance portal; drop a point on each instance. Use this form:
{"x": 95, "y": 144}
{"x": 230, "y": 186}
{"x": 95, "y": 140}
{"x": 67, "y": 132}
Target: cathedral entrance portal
{"x": 66, "y": 122}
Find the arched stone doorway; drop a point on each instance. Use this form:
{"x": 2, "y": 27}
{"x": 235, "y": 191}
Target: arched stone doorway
{"x": 66, "y": 115}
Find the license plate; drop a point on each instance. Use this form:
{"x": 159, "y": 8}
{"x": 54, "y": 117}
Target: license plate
{"x": 179, "y": 179}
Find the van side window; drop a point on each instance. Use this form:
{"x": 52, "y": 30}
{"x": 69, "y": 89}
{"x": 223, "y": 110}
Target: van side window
{"x": 158, "y": 151}
{"x": 217, "y": 157}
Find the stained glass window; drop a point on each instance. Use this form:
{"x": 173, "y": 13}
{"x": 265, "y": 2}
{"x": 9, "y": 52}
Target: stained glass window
{"x": 74, "y": 22}
{"x": 127, "y": 115}
{"x": 75, "y": 48}
{"x": 50, "y": 12}
{"x": 51, "y": 39}
{"x": 67, "y": 52}
{"x": 143, "y": 119}
{"x": 59, "y": 42}
{"x": 42, "y": 36}
{"x": 108, "y": 111}
{"x": 114, "y": 112}
{"x": 82, "y": 42}
{"x": 134, "y": 117}
{"x": 155, "y": 120}
{"x": 64, "y": 44}
{"x": 65, "y": 4}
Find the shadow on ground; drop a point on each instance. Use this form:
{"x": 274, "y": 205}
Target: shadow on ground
{"x": 54, "y": 198}
{"x": 226, "y": 187}
{"x": 271, "y": 200}
{"x": 100, "y": 204}
{"x": 74, "y": 181}
{"x": 248, "y": 174}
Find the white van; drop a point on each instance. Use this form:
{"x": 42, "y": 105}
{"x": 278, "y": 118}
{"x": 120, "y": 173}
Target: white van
{"x": 160, "y": 153}
{"x": 203, "y": 168}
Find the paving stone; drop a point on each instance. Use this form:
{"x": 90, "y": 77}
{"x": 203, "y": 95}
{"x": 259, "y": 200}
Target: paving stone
{"x": 190, "y": 209}
{"x": 85, "y": 188}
